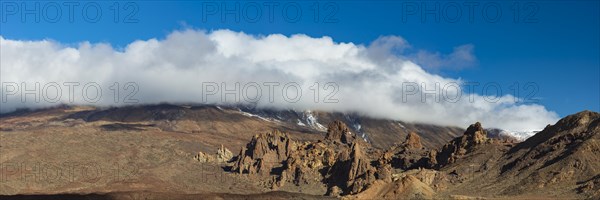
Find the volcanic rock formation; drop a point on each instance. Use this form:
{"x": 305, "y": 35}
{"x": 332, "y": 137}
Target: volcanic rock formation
{"x": 264, "y": 152}
{"x": 560, "y": 157}
{"x": 345, "y": 169}
{"x": 338, "y": 131}
{"x": 222, "y": 155}
{"x": 455, "y": 149}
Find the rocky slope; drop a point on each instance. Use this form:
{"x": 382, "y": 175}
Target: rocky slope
{"x": 560, "y": 161}
{"x": 567, "y": 153}
{"x": 343, "y": 165}
{"x": 236, "y": 123}
{"x": 231, "y": 152}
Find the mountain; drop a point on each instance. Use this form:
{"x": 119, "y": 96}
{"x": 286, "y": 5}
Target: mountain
{"x": 151, "y": 139}
{"x": 236, "y": 121}
{"x": 562, "y": 156}
{"x": 207, "y": 151}
{"x": 560, "y": 161}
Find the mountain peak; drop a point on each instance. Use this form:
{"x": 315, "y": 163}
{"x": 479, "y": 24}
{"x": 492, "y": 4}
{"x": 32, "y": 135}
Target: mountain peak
{"x": 582, "y": 118}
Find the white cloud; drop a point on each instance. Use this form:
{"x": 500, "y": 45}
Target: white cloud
{"x": 370, "y": 78}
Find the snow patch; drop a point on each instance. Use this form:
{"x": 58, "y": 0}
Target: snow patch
{"x": 519, "y": 135}
{"x": 312, "y": 120}
{"x": 300, "y": 123}
{"x": 401, "y": 125}
{"x": 357, "y": 126}
{"x": 257, "y": 116}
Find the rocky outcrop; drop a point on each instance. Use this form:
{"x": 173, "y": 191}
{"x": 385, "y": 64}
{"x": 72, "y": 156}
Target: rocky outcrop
{"x": 431, "y": 160}
{"x": 591, "y": 187}
{"x": 264, "y": 152}
{"x": 305, "y": 164}
{"x": 345, "y": 169}
{"x": 338, "y": 131}
{"x": 408, "y": 155}
{"x": 222, "y": 155}
{"x": 339, "y": 162}
{"x": 361, "y": 172}
{"x": 561, "y": 155}
{"x": 352, "y": 171}
{"x": 204, "y": 158}
{"x": 413, "y": 141}
{"x": 473, "y": 136}
{"x": 407, "y": 187}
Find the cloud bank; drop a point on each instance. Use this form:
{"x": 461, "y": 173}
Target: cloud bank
{"x": 374, "y": 80}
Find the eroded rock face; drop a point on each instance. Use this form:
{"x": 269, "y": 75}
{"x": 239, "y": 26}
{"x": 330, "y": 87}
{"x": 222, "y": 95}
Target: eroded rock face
{"x": 384, "y": 172}
{"x": 345, "y": 170}
{"x": 407, "y": 187}
{"x": 264, "y": 152}
{"x": 345, "y": 166}
{"x": 413, "y": 141}
{"x": 352, "y": 171}
{"x": 203, "y": 157}
{"x": 473, "y": 136}
{"x": 432, "y": 159}
{"x": 305, "y": 164}
{"x": 412, "y": 155}
{"x": 222, "y": 155}
{"x": 339, "y": 162}
{"x": 290, "y": 162}
{"x": 338, "y": 131}
{"x": 361, "y": 172}
{"x": 408, "y": 155}
{"x": 591, "y": 187}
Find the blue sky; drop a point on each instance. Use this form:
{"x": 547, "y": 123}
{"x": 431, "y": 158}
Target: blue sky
{"x": 554, "y": 44}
